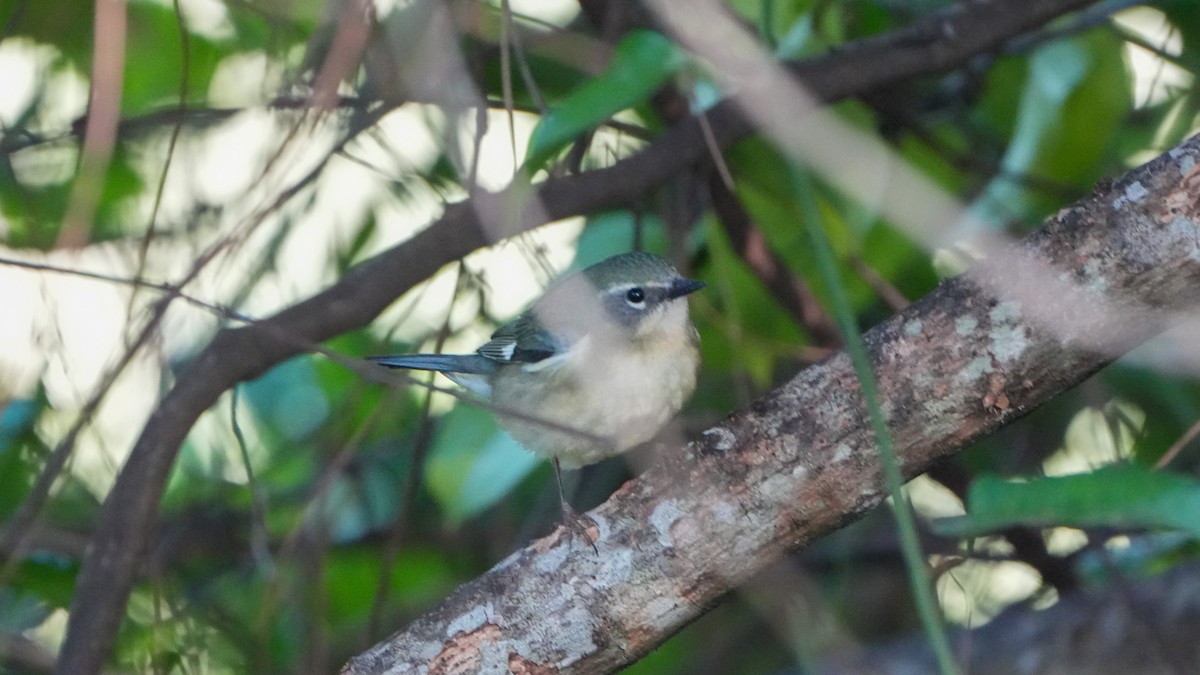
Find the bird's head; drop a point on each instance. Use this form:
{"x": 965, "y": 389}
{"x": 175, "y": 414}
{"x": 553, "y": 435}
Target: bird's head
{"x": 639, "y": 294}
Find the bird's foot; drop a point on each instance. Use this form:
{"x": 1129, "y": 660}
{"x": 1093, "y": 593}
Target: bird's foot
{"x": 580, "y": 525}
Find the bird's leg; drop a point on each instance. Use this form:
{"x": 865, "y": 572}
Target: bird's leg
{"x": 574, "y": 522}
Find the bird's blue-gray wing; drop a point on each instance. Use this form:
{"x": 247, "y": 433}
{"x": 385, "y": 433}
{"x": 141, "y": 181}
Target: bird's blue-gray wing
{"x": 444, "y": 363}
{"x": 471, "y": 371}
{"x": 522, "y": 341}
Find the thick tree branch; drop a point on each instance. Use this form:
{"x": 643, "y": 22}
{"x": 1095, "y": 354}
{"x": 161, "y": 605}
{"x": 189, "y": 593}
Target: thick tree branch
{"x": 801, "y": 462}
{"x": 126, "y": 521}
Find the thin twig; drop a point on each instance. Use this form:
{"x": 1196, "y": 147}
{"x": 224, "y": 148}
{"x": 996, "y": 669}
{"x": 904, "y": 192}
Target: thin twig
{"x": 1177, "y": 446}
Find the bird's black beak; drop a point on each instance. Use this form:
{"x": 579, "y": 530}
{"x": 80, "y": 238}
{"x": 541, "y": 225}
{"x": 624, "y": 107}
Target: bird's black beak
{"x": 682, "y": 287}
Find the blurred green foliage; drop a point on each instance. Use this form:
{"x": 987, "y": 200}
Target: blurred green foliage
{"x": 369, "y": 501}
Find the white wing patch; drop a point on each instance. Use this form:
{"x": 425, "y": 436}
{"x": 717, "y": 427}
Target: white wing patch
{"x": 500, "y": 349}
{"x": 476, "y": 383}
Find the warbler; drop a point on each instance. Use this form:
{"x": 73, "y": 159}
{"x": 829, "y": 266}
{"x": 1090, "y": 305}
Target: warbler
{"x": 600, "y": 363}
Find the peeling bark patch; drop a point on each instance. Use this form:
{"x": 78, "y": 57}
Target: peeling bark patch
{"x": 575, "y": 633}
{"x": 1134, "y": 193}
{"x": 697, "y": 592}
{"x": 662, "y": 518}
{"x": 1007, "y": 339}
{"x": 1005, "y": 312}
{"x": 519, "y": 665}
{"x": 974, "y": 370}
{"x": 1183, "y": 201}
{"x": 1093, "y": 273}
{"x": 1008, "y": 343}
{"x": 723, "y": 512}
{"x": 477, "y": 617}
{"x": 778, "y": 489}
{"x": 720, "y": 439}
{"x": 618, "y": 569}
{"x": 463, "y": 652}
{"x": 602, "y": 528}
{"x": 1187, "y": 164}
{"x": 552, "y": 559}
{"x": 655, "y": 611}
{"x": 1186, "y": 230}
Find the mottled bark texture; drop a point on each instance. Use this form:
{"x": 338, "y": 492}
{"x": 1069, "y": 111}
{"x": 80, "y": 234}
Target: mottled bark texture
{"x": 980, "y": 351}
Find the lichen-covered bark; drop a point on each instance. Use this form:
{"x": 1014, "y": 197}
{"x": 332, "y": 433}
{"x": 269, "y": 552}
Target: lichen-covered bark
{"x": 980, "y": 351}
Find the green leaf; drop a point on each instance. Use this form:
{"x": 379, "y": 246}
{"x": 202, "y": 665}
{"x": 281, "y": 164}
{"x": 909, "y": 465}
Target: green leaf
{"x": 49, "y": 578}
{"x": 289, "y": 400}
{"x": 20, "y": 449}
{"x": 419, "y": 576}
{"x": 1076, "y": 98}
{"x": 17, "y": 418}
{"x": 1123, "y": 495}
{"x": 614, "y": 232}
{"x": 642, "y": 62}
{"x": 157, "y": 59}
{"x": 472, "y": 463}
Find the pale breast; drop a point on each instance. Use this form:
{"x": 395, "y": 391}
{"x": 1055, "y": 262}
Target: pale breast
{"x": 622, "y": 393}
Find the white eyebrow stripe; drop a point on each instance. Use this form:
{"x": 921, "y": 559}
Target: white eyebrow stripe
{"x": 651, "y": 284}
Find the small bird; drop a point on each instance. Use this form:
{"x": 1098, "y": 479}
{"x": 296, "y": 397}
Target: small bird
{"x": 600, "y": 363}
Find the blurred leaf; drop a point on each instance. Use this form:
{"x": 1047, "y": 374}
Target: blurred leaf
{"x": 1125, "y": 496}
{"x": 1152, "y": 553}
{"x": 607, "y": 234}
{"x": 21, "y": 611}
{"x": 49, "y": 577}
{"x": 642, "y": 62}
{"x": 155, "y": 59}
{"x": 289, "y": 399}
{"x": 1173, "y": 399}
{"x": 36, "y": 211}
{"x": 33, "y": 213}
{"x": 17, "y": 418}
{"x": 418, "y": 577}
{"x": 756, "y": 332}
{"x": 472, "y": 463}
{"x": 349, "y": 253}
{"x": 769, "y": 197}
{"x": 16, "y": 477}
{"x": 1097, "y": 437}
{"x": 67, "y": 25}
{"x": 1076, "y": 95}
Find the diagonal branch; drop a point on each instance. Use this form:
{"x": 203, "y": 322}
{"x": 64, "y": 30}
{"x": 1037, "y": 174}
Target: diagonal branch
{"x": 801, "y": 462}
{"x": 109, "y": 571}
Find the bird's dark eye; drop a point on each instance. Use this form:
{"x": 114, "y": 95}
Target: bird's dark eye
{"x": 635, "y": 296}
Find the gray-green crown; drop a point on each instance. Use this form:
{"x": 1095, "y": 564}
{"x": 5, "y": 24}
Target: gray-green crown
{"x": 633, "y": 267}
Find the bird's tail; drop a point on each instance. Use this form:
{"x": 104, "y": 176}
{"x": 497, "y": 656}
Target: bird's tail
{"x": 443, "y": 363}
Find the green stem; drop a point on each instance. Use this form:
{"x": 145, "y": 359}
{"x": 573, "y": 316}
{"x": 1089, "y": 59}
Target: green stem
{"x": 914, "y": 558}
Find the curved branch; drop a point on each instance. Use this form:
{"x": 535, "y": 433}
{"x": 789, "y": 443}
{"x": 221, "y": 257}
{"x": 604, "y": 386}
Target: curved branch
{"x": 801, "y": 462}
{"x": 122, "y": 534}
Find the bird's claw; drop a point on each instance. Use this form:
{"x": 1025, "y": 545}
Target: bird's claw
{"x": 580, "y": 525}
